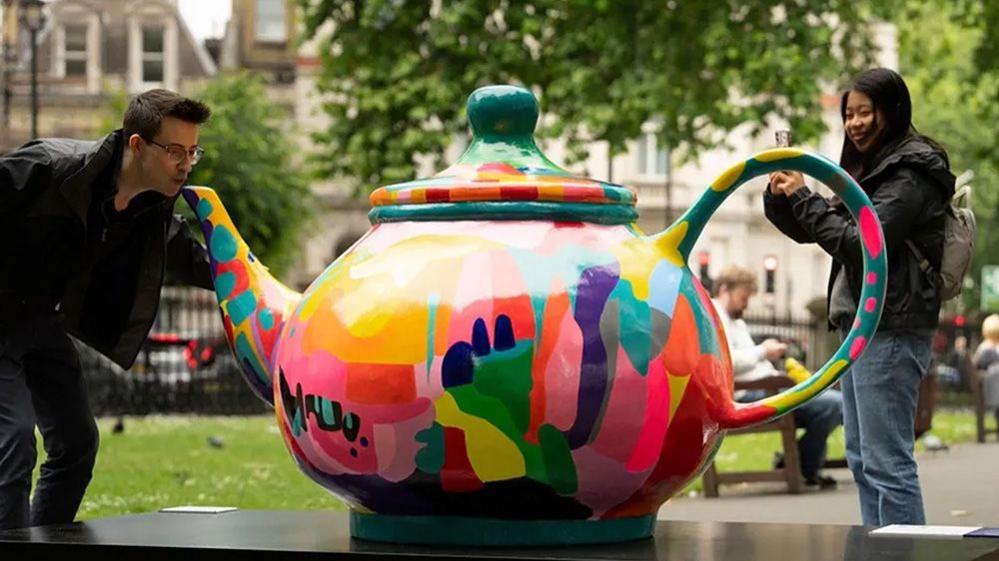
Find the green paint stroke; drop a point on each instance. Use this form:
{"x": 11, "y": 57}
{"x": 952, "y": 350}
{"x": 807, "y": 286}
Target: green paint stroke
{"x": 635, "y": 326}
{"x": 430, "y": 458}
{"x": 558, "y": 460}
{"x": 506, "y": 376}
{"x": 490, "y": 409}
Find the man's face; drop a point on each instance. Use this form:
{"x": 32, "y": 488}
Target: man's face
{"x": 164, "y": 168}
{"x": 735, "y": 300}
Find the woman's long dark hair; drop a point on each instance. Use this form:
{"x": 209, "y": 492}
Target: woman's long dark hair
{"x": 890, "y": 97}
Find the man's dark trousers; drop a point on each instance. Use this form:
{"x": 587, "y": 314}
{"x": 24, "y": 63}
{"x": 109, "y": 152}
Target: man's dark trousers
{"x": 41, "y": 383}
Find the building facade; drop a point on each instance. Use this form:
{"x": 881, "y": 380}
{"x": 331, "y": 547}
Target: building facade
{"x": 89, "y": 51}
{"x": 739, "y": 233}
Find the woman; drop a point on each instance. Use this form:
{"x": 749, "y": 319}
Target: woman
{"x": 908, "y": 179}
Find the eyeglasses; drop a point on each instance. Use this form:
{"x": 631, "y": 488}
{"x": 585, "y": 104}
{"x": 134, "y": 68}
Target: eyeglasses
{"x": 177, "y": 153}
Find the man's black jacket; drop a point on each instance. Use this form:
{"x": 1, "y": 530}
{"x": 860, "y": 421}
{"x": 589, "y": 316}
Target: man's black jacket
{"x": 49, "y": 190}
{"x": 909, "y": 187}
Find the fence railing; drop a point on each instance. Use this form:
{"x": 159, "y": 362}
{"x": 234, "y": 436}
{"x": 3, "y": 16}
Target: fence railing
{"x": 184, "y": 367}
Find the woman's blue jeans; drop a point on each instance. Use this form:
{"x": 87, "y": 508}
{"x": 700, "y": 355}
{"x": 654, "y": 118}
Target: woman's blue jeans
{"x": 880, "y": 392}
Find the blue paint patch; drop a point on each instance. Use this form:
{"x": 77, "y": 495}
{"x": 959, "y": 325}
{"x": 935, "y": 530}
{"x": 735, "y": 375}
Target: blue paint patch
{"x": 204, "y": 209}
{"x": 705, "y": 330}
{"x": 222, "y": 244}
{"x": 266, "y": 318}
{"x": 635, "y": 325}
{"x": 225, "y": 284}
{"x": 241, "y": 307}
{"x": 244, "y": 350}
{"x": 664, "y": 287}
{"x": 458, "y": 366}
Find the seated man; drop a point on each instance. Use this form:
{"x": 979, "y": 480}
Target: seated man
{"x": 732, "y": 291}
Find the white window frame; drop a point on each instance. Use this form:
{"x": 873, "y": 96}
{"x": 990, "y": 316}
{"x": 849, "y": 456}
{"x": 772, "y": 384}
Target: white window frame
{"x": 78, "y": 56}
{"x": 152, "y": 14}
{"x": 648, "y": 155}
{"x": 271, "y": 38}
{"x": 152, "y": 56}
{"x": 92, "y": 53}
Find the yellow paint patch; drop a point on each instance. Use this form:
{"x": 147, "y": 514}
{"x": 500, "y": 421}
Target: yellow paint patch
{"x": 638, "y": 257}
{"x": 728, "y": 177}
{"x": 668, "y": 243}
{"x": 493, "y": 456}
{"x": 677, "y": 385}
{"x": 778, "y": 154}
{"x": 796, "y": 398}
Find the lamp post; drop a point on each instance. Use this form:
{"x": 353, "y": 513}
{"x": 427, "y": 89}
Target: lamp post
{"x": 33, "y": 19}
{"x": 9, "y": 57}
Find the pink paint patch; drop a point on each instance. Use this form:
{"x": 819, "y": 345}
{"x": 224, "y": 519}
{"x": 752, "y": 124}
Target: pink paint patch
{"x": 872, "y": 277}
{"x": 856, "y": 323}
{"x": 870, "y": 304}
{"x": 617, "y": 437}
{"x": 870, "y": 231}
{"x": 653, "y": 431}
{"x": 857, "y": 347}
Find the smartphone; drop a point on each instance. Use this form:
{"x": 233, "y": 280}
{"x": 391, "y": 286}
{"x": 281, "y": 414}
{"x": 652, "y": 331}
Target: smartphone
{"x": 783, "y": 138}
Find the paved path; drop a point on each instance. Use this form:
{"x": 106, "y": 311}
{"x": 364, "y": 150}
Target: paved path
{"x": 960, "y": 487}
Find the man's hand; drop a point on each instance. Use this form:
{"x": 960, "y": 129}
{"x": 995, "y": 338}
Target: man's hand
{"x": 786, "y": 182}
{"x": 773, "y": 349}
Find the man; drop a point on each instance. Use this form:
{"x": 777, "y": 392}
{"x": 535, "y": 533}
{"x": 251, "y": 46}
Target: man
{"x": 87, "y": 233}
{"x": 733, "y": 289}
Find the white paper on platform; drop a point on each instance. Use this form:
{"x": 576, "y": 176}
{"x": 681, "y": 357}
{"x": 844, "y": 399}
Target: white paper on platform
{"x": 199, "y": 509}
{"x": 909, "y": 530}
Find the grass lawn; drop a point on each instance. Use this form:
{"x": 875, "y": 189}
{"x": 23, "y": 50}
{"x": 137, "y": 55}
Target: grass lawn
{"x": 161, "y": 461}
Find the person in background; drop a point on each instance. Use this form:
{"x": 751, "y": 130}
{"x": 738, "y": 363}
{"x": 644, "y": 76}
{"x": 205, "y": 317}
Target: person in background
{"x": 908, "y": 178}
{"x": 986, "y": 361}
{"x": 733, "y": 289}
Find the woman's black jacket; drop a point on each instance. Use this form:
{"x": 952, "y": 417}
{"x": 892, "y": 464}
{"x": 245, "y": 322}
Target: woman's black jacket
{"x": 909, "y": 187}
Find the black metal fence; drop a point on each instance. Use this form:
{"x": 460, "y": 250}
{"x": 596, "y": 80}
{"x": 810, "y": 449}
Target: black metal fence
{"x": 808, "y": 341}
{"x": 184, "y": 367}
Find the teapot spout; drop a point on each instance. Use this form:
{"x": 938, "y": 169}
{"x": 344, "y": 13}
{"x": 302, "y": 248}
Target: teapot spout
{"x": 253, "y": 303}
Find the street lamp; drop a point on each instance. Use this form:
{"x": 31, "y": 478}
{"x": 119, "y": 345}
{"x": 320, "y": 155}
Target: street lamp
{"x": 33, "y": 19}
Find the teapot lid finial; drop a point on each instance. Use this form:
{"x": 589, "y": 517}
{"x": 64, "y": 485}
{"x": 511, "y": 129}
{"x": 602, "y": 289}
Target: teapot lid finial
{"x": 502, "y": 111}
{"x": 503, "y": 175}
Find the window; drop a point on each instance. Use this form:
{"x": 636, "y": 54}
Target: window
{"x": 652, "y": 160}
{"x": 269, "y": 24}
{"x": 76, "y": 50}
{"x": 152, "y": 53}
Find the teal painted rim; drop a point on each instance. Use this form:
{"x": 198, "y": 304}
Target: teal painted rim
{"x": 500, "y": 210}
{"x": 463, "y": 530}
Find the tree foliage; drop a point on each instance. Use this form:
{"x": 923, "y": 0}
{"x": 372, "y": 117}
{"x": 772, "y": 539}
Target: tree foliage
{"x": 249, "y": 160}
{"x": 396, "y": 73}
{"x": 945, "y": 58}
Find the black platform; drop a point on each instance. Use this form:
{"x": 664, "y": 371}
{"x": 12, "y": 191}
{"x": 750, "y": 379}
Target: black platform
{"x": 290, "y": 535}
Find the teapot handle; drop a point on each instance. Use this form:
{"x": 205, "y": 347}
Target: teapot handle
{"x": 684, "y": 232}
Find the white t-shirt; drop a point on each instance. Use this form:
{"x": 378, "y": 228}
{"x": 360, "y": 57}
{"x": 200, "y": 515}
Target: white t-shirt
{"x": 748, "y": 362}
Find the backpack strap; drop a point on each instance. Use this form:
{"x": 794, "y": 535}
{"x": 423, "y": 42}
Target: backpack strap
{"x": 926, "y": 268}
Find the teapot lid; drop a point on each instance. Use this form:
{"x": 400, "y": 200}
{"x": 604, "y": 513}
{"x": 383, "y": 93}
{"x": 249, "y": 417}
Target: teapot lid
{"x": 503, "y": 175}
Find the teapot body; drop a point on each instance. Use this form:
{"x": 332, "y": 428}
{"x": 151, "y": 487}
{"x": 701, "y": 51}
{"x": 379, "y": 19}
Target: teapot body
{"x": 504, "y": 359}
{"x": 511, "y": 370}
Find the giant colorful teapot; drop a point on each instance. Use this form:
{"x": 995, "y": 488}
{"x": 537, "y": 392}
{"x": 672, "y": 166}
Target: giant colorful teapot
{"x": 504, "y": 358}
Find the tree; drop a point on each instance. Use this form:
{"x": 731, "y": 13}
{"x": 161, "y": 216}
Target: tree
{"x": 951, "y": 71}
{"x": 397, "y": 73}
{"x": 249, "y": 161}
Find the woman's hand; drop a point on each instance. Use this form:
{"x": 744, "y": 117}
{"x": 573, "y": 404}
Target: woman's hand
{"x": 786, "y": 182}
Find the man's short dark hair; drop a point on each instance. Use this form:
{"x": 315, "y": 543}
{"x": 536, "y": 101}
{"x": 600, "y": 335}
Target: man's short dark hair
{"x": 146, "y": 111}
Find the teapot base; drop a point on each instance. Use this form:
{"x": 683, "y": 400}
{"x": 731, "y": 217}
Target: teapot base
{"x": 469, "y": 531}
